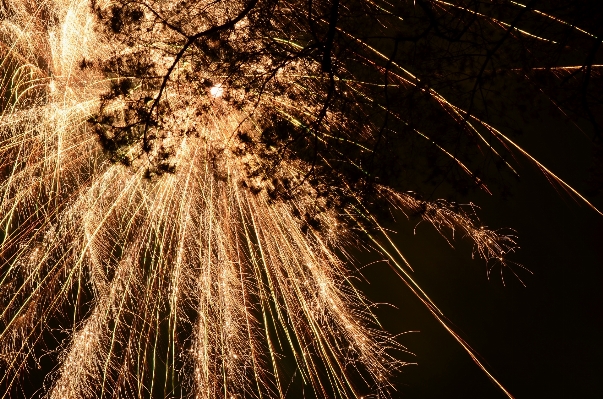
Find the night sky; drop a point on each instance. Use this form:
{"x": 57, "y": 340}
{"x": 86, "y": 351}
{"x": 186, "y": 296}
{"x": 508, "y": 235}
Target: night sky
{"x": 541, "y": 341}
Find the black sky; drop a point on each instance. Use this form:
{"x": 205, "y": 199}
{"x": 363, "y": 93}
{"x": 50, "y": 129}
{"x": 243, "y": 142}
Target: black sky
{"x": 541, "y": 341}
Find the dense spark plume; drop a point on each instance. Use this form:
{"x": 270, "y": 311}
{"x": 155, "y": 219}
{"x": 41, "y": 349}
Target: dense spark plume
{"x": 165, "y": 210}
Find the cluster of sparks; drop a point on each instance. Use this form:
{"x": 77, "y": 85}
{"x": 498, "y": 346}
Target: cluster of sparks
{"x": 191, "y": 283}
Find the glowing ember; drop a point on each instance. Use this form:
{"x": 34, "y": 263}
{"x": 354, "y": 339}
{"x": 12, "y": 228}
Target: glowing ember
{"x": 216, "y": 91}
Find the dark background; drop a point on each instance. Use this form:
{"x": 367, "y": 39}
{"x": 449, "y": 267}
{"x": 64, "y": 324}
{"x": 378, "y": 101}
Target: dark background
{"x": 540, "y": 341}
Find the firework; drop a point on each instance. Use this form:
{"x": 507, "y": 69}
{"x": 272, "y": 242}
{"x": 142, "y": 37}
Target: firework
{"x": 174, "y": 209}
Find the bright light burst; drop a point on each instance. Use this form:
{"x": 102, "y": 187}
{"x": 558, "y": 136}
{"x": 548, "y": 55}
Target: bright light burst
{"x": 138, "y": 221}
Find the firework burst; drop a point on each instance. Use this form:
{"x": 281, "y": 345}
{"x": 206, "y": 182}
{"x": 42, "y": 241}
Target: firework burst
{"x": 182, "y": 220}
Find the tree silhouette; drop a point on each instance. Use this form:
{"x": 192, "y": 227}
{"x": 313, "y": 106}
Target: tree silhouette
{"x": 361, "y": 93}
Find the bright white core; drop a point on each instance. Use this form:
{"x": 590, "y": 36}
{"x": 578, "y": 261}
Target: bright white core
{"x": 216, "y": 91}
